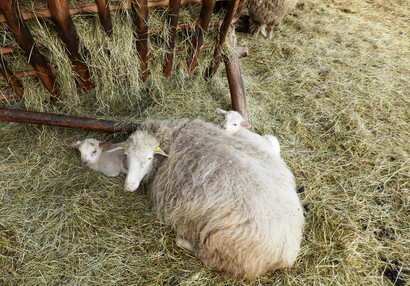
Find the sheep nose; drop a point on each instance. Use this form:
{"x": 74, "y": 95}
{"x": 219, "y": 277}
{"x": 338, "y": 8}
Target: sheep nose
{"x": 85, "y": 163}
{"x": 129, "y": 186}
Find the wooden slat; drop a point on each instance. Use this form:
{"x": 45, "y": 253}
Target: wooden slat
{"x": 229, "y": 15}
{"x": 7, "y": 94}
{"x": 198, "y": 35}
{"x": 173, "y": 22}
{"x": 236, "y": 88}
{"x": 241, "y": 6}
{"x": 66, "y": 30}
{"x": 242, "y": 52}
{"x": 92, "y": 8}
{"x": 6, "y": 50}
{"x": 11, "y": 78}
{"x": 105, "y": 16}
{"x": 23, "y": 116}
{"x": 26, "y": 42}
{"x": 140, "y": 11}
{"x": 28, "y": 71}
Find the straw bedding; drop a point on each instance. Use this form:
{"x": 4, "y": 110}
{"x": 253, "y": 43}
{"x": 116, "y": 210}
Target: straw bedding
{"x": 332, "y": 85}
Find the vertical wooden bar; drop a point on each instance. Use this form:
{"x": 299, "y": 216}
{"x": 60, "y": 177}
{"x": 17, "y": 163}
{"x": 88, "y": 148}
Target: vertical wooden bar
{"x": 105, "y": 16}
{"x": 236, "y": 88}
{"x": 241, "y": 6}
{"x": 198, "y": 36}
{"x": 11, "y": 79}
{"x": 229, "y": 15}
{"x": 140, "y": 11}
{"x": 26, "y": 42}
{"x": 173, "y": 22}
{"x": 65, "y": 27}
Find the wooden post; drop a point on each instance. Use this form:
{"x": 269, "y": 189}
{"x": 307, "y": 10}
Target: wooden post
{"x": 236, "y": 88}
{"x": 173, "y": 22}
{"x": 23, "y": 116}
{"x": 229, "y": 15}
{"x": 140, "y": 11}
{"x": 11, "y": 78}
{"x": 26, "y": 42}
{"x": 198, "y": 35}
{"x": 233, "y": 73}
{"x": 65, "y": 27}
{"x": 105, "y": 16}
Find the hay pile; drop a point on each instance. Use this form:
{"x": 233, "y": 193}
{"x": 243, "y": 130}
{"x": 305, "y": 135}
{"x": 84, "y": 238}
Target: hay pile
{"x": 333, "y": 85}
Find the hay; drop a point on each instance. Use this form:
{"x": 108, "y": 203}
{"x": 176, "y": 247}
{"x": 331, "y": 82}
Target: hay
{"x": 332, "y": 85}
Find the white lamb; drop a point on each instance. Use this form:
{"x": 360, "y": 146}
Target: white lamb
{"x": 95, "y": 155}
{"x": 234, "y": 123}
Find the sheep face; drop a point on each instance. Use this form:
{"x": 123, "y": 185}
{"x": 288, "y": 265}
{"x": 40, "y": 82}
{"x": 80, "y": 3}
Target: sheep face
{"x": 90, "y": 150}
{"x": 233, "y": 121}
{"x": 140, "y": 149}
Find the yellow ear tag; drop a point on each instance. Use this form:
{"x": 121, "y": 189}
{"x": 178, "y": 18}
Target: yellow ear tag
{"x": 158, "y": 149}
{"x": 121, "y": 145}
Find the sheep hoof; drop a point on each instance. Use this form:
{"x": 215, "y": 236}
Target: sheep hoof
{"x": 183, "y": 243}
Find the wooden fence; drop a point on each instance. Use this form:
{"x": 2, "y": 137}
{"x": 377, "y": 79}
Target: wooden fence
{"x": 61, "y": 14}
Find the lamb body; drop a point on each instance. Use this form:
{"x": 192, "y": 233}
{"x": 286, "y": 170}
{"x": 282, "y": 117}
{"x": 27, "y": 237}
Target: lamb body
{"x": 95, "y": 155}
{"x": 235, "y": 124}
{"x": 235, "y": 207}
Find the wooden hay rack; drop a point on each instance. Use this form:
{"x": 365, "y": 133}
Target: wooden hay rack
{"x": 61, "y": 14}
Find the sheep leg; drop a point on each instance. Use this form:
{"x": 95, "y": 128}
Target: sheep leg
{"x": 255, "y": 28}
{"x": 183, "y": 243}
{"x": 269, "y": 31}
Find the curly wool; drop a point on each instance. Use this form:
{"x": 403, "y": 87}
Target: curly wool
{"x": 235, "y": 205}
{"x": 268, "y": 12}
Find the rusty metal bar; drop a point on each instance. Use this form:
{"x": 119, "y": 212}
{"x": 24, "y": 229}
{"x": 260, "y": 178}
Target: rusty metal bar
{"x": 11, "y": 78}
{"x": 198, "y": 35}
{"x": 23, "y": 116}
{"x": 105, "y": 16}
{"x": 66, "y": 30}
{"x": 140, "y": 11}
{"x": 26, "y": 42}
{"x": 229, "y": 16}
{"x": 173, "y": 22}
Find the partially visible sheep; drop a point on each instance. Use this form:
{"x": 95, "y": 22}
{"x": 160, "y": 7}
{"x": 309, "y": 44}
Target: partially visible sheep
{"x": 95, "y": 155}
{"x": 267, "y": 14}
{"x": 235, "y": 124}
{"x": 235, "y": 207}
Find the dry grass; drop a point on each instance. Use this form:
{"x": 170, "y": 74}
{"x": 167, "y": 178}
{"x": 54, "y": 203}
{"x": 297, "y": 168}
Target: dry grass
{"x": 333, "y": 85}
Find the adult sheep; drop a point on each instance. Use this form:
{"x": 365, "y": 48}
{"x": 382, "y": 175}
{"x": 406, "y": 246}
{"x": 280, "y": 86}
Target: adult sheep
{"x": 235, "y": 207}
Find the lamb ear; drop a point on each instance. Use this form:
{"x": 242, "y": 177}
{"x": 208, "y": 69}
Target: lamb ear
{"x": 245, "y": 124}
{"x": 221, "y": 111}
{"x": 104, "y": 145}
{"x": 119, "y": 147}
{"x": 74, "y": 144}
{"x": 159, "y": 151}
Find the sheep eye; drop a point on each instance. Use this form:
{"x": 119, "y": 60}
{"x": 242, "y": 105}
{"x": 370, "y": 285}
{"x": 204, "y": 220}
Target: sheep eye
{"x": 95, "y": 152}
{"x": 150, "y": 158}
{"x": 235, "y": 124}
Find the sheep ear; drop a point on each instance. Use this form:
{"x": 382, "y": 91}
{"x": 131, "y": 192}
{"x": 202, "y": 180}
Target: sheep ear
{"x": 245, "y": 124}
{"x": 74, "y": 144}
{"x": 104, "y": 145}
{"x": 159, "y": 151}
{"x": 221, "y": 111}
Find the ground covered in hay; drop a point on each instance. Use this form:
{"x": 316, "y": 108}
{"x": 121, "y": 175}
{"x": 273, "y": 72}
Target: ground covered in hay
{"x": 333, "y": 86}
